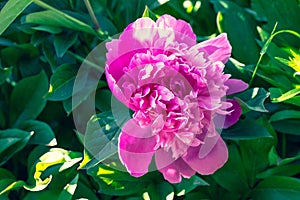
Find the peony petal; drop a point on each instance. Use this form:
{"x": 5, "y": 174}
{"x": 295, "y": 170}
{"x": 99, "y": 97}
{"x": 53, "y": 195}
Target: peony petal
{"x": 172, "y": 169}
{"x": 213, "y": 160}
{"x": 235, "y": 86}
{"x": 234, "y": 116}
{"x": 182, "y": 30}
{"x": 136, "y": 153}
{"x": 216, "y": 49}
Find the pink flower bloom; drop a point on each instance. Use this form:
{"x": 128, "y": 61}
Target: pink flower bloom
{"x": 176, "y": 89}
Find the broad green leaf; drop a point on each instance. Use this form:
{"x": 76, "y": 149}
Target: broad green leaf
{"x": 12, "y": 141}
{"x": 85, "y": 189}
{"x": 42, "y": 132}
{"x": 255, "y": 155}
{"x": 289, "y": 160}
{"x": 52, "y": 18}
{"x": 11, "y": 10}
{"x": 63, "y": 42}
{"x": 69, "y": 189}
{"x": 4, "y": 74}
{"x": 282, "y": 170}
{"x": 115, "y": 182}
{"x": 253, "y": 99}
{"x": 101, "y": 137}
{"x": 45, "y": 195}
{"x": 163, "y": 190}
{"x": 6, "y": 42}
{"x": 232, "y": 176}
{"x": 27, "y": 99}
{"x": 230, "y": 16}
{"x": 277, "y": 187}
{"x": 285, "y": 114}
{"x": 103, "y": 100}
{"x": 62, "y": 82}
{"x": 285, "y": 12}
{"x": 288, "y": 126}
{"x": 6, "y": 174}
{"x": 246, "y": 129}
{"x": 187, "y": 185}
{"x": 48, "y": 29}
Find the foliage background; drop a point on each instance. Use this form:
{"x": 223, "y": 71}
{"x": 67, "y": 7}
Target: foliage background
{"x": 42, "y": 157}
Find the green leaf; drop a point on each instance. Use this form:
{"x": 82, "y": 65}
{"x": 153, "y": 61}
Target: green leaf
{"x": 49, "y": 29}
{"x": 230, "y": 16}
{"x": 49, "y": 164}
{"x": 69, "y": 189}
{"x": 114, "y": 182}
{"x": 62, "y": 82}
{"x": 63, "y": 42}
{"x": 163, "y": 190}
{"x": 286, "y": 96}
{"x": 149, "y": 13}
{"x": 101, "y": 138}
{"x": 276, "y": 92}
{"x": 253, "y": 99}
{"x": 27, "y": 99}
{"x": 284, "y": 12}
{"x": 245, "y": 129}
{"x": 11, "y": 10}
{"x": 285, "y": 114}
{"x": 103, "y": 100}
{"x": 187, "y": 185}
{"x": 42, "y": 132}
{"x": 282, "y": 170}
{"x": 277, "y": 187}
{"x": 45, "y": 195}
{"x": 288, "y": 126}
{"x": 12, "y": 141}
{"x": 6, "y": 178}
{"x": 4, "y": 74}
{"x": 55, "y": 19}
{"x": 13, "y": 186}
{"x": 255, "y": 154}
{"x": 232, "y": 176}
{"x": 4, "y": 173}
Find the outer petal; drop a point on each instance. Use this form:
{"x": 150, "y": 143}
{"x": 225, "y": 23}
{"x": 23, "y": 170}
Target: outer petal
{"x": 137, "y": 35}
{"x": 136, "y": 153}
{"x": 234, "y": 116}
{"x": 172, "y": 169}
{"x": 235, "y": 86}
{"x": 182, "y": 30}
{"x": 212, "y": 160}
{"x": 217, "y": 49}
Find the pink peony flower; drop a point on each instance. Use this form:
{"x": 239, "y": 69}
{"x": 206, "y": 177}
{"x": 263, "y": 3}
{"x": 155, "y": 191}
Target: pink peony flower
{"x": 177, "y": 91}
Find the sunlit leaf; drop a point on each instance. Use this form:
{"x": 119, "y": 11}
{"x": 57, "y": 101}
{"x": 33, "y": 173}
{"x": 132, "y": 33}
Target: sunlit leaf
{"x": 11, "y": 10}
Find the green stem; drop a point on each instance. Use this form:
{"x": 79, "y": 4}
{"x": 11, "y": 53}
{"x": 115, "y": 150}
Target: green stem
{"x": 83, "y": 60}
{"x": 266, "y": 45}
{"x": 48, "y": 7}
{"x": 92, "y": 15}
{"x": 262, "y": 53}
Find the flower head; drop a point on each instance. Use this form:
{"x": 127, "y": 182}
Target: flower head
{"x": 177, "y": 90}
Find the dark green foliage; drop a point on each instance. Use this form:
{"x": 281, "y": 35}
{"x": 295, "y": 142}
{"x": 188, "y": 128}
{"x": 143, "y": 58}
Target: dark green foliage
{"x": 43, "y": 43}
